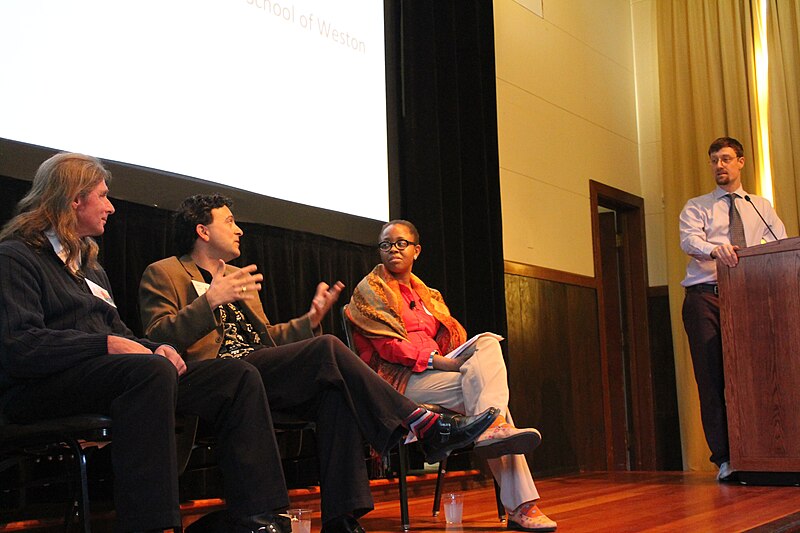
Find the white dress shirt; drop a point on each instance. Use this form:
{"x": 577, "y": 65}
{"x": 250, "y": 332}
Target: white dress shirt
{"x": 704, "y": 225}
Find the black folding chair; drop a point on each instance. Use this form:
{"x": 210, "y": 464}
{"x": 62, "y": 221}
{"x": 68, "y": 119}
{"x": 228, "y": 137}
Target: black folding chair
{"x": 18, "y": 441}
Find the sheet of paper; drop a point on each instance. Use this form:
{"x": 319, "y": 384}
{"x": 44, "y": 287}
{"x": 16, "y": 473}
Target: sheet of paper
{"x": 458, "y": 351}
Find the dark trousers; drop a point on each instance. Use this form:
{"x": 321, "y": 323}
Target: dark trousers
{"x": 321, "y": 379}
{"x": 141, "y": 394}
{"x": 702, "y": 325}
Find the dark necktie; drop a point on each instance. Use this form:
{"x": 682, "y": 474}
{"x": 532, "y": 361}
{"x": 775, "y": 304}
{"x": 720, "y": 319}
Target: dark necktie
{"x": 736, "y": 231}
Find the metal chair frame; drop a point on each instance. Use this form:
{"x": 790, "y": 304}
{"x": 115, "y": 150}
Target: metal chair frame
{"x": 23, "y": 439}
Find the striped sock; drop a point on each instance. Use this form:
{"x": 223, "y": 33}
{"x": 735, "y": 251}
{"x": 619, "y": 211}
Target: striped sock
{"x": 420, "y": 421}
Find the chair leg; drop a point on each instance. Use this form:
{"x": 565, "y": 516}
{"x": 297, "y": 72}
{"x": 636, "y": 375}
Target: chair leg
{"x": 403, "y": 453}
{"x": 81, "y": 485}
{"x": 437, "y": 495}
{"x": 501, "y": 509}
{"x": 71, "y": 512}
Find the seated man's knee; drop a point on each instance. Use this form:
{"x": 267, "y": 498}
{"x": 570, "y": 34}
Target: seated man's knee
{"x": 330, "y": 345}
{"x": 330, "y": 340}
{"x": 148, "y": 368}
{"x": 147, "y": 376}
{"x": 233, "y": 370}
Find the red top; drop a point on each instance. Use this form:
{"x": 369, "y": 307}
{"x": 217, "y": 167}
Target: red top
{"x": 421, "y": 327}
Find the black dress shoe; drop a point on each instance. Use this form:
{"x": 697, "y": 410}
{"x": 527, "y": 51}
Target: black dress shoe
{"x": 451, "y": 432}
{"x": 342, "y": 524}
{"x": 262, "y": 523}
{"x": 223, "y": 522}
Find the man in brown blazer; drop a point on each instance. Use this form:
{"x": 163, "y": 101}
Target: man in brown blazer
{"x": 207, "y": 309}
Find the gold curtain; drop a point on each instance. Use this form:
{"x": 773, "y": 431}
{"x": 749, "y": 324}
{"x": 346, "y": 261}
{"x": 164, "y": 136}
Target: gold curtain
{"x": 707, "y": 77}
{"x": 783, "y": 36}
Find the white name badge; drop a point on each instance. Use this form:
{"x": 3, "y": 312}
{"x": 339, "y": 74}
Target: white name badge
{"x": 100, "y": 292}
{"x": 200, "y": 287}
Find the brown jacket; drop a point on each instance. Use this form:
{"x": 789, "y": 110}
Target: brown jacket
{"x": 172, "y": 313}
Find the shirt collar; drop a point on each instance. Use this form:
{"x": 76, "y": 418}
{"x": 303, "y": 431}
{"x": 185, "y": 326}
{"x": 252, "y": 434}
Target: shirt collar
{"x": 58, "y": 248}
{"x": 719, "y": 192}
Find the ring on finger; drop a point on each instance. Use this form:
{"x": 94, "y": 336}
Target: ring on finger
{"x": 244, "y": 288}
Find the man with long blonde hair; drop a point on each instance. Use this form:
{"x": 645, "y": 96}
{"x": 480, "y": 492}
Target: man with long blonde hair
{"x": 47, "y": 205}
{"x": 64, "y": 350}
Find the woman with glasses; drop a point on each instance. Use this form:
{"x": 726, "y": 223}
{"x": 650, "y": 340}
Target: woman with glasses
{"x": 404, "y": 331}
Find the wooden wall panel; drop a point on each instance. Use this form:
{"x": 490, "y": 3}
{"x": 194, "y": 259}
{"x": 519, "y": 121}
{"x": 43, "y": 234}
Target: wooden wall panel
{"x": 665, "y": 398}
{"x": 554, "y": 372}
{"x": 584, "y": 352}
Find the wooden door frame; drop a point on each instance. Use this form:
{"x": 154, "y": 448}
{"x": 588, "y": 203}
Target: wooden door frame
{"x": 630, "y": 213}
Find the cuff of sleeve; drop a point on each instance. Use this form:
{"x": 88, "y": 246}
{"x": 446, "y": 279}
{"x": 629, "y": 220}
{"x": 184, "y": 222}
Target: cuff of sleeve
{"x": 306, "y": 325}
{"x": 421, "y": 365}
{"x": 201, "y": 313}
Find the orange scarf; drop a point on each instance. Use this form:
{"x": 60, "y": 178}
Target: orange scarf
{"x": 375, "y": 310}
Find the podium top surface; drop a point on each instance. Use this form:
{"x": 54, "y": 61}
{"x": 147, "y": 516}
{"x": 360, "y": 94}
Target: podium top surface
{"x": 783, "y": 245}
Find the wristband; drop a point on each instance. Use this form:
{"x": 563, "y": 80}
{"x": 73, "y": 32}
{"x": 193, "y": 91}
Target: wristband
{"x": 430, "y": 359}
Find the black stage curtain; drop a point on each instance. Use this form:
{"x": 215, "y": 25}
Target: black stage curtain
{"x": 450, "y": 182}
{"x": 292, "y": 262}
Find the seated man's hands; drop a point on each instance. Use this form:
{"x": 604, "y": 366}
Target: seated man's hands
{"x": 117, "y": 345}
{"x": 323, "y": 300}
{"x": 173, "y": 357}
{"x": 120, "y": 345}
{"x": 240, "y": 285}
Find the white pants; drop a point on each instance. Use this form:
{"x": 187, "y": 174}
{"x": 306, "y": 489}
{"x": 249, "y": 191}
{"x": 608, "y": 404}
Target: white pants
{"x": 482, "y": 382}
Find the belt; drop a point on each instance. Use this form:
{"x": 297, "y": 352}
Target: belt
{"x": 704, "y": 287}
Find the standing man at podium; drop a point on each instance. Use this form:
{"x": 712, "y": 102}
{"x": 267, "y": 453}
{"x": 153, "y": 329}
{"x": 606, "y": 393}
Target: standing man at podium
{"x": 714, "y": 226}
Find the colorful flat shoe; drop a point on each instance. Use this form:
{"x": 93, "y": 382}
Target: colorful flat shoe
{"x": 505, "y": 439}
{"x": 528, "y": 517}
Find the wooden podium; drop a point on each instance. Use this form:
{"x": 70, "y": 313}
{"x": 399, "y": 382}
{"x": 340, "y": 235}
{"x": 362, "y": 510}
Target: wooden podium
{"x": 760, "y": 313}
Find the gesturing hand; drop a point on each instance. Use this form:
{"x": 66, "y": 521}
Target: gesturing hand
{"x": 323, "y": 300}
{"x": 240, "y": 285}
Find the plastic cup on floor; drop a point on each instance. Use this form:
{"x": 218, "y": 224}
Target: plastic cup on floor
{"x": 453, "y": 507}
{"x": 301, "y": 520}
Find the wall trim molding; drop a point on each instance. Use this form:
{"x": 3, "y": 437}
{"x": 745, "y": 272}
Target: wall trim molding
{"x": 548, "y": 274}
{"x": 657, "y": 290}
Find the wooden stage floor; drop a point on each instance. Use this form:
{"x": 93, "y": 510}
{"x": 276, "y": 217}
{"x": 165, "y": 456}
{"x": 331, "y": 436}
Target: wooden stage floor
{"x": 619, "y": 502}
{"x": 609, "y": 502}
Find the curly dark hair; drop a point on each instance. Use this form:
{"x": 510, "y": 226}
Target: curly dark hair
{"x": 193, "y": 211}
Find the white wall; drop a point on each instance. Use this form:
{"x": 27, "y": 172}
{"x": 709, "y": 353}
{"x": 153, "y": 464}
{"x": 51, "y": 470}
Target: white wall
{"x": 567, "y": 113}
{"x": 649, "y": 118}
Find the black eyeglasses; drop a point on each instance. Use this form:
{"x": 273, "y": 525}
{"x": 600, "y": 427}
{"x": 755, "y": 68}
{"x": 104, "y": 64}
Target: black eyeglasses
{"x": 401, "y": 244}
